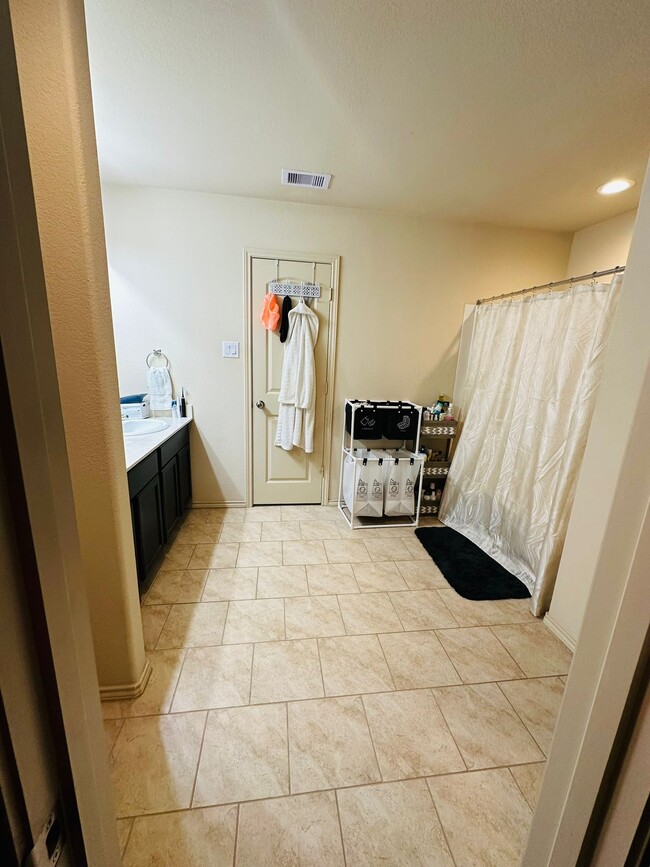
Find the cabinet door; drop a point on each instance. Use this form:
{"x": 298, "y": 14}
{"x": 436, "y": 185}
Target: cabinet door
{"x": 147, "y": 507}
{"x": 170, "y": 495}
{"x": 184, "y": 477}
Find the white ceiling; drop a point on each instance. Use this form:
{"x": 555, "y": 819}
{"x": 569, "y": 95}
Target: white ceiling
{"x": 504, "y": 111}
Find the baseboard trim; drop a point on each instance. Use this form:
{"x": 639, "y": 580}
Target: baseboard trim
{"x": 560, "y": 633}
{"x": 127, "y": 690}
{"x": 223, "y": 504}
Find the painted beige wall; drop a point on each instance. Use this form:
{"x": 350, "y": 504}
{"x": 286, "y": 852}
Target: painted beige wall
{"x": 52, "y": 62}
{"x": 602, "y": 246}
{"x": 598, "y": 247}
{"x": 176, "y": 273}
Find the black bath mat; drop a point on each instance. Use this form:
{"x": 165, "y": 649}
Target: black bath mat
{"x": 470, "y": 571}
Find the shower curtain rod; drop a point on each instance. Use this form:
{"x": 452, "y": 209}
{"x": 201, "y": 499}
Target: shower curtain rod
{"x": 554, "y": 284}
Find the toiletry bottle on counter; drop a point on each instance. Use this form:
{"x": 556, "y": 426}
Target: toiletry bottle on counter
{"x": 175, "y": 413}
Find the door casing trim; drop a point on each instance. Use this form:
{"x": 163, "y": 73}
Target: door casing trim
{"x": 284, "y": 255}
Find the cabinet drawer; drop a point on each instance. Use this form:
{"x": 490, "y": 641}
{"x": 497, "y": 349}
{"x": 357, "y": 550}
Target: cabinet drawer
{"x": 142, "y": 473}
{"x": 174, "y": 445}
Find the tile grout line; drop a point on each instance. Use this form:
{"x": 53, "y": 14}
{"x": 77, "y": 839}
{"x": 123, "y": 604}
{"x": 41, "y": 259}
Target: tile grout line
{"x": 460, "y": 752}
{"x": 521, "y": 791}
{"x": 234, "y": 850}
{"x": 525, "y": 674}
{"x": 286, "y": 707}
{"x": 198, "y": 762}
{"x": 383, "y": 653}
{"x": 128, "y": 836}
{"x": 522, "y": 720}
{"x": 178, "y": 680}
{"x": 338, "y": 816}
{"x": 331, "y": 789}
{"x": 162, "y": 628}
{"x": 442, "y": 827}
{"x": 372, "y": 742}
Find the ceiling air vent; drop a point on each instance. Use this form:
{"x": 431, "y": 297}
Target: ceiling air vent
{"x": 306, "y": 179}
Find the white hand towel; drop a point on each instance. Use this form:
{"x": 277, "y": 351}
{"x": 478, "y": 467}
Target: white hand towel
{"x": 160, "y": 388}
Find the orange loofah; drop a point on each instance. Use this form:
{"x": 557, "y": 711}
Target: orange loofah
{"x": 270, "y": 315}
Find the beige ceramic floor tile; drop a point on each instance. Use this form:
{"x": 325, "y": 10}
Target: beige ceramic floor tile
{"x": 346, "y": 551}
{"x": 219, "y": 556}
{"x": 529, "y": 780}
{"x": 468, "y": 612}
{"x": 254, "y": 620}
{"x": 226, "y": 584}
{"x": 154, "y": 761}
{"x": 417, "y": 660}
{"x": 301, "y": 513}
{"x": 225, "y": 515}
{"x": 281, "y": 531}
{"x": 477, "y": 655}
{"x": 392, "y": 824}
{"x": 487, "y": 730}
{"x": 369, "y": 613}
{"x": 274, "y": 581}
{"x": 537, "y": 701}
{"x": 484, "y": 816}
{"x": 214, "y": 677}
{"x": 395, "y": 533}
{"x": 244, "y": 755}
{"x": 373, "y": 577}
{"x": 353, "y": 664}
{"x": 422, "y": 575}
{"x": 516, "y": 611}
{"x": 325, "y": 580}
{"x": 246, "y": 532}
{"x": 176, "y": 586}
{"x": 259, "y": 514}
{"x": 303, "y": 553}
{"x": 193, "y": 838}
{"x": 319, "y": 530}
{"x": 421, "y": 609}
{"x": 194, "y": 516}
{"x": 410, "y": 735}
{"x": 416, "y": 549}
{"x": 387, "y": 549}
{"x": 178, "y": 557}
{"x": 153, "y": 621}
{"x": 286, "y": 671}
{"x": 112, "y": 729}
{"x": 159, "y": 691}
{"x": 196, "y": 624}
{"x": 298, "y": 830}
{"x": 313, "y": 617}
{"x": 123, "y": 830}
{"x": 537, "y": 651}
{"x": 194, "y": 534}
{"x": 260, "y": 554}
{"x": 329, "y": 744}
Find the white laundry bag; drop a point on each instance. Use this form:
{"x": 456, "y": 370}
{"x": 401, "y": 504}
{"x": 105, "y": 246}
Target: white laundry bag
{"x": 363, "y": 485}
{"x": 400, "y": 482}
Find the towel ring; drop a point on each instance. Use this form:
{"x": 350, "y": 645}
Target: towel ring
{"x": 157, "y": 353}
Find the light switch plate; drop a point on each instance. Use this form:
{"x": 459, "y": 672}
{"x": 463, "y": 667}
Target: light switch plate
{"x": 230, "y": 349}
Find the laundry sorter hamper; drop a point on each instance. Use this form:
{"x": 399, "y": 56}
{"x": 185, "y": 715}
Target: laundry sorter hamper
{"x": 381, "y": 468}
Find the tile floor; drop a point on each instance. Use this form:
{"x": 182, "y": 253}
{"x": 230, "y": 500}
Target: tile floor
{"x": 323, "y": 697}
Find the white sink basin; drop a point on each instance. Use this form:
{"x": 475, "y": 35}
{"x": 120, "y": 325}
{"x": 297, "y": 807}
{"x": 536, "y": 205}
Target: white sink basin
{"x": 133, "y": 427}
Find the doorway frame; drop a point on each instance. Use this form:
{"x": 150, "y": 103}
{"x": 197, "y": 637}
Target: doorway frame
{"x": 290, "y": 256}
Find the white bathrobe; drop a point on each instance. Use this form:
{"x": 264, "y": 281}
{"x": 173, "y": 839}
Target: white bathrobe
{"x": 297, "y": 400}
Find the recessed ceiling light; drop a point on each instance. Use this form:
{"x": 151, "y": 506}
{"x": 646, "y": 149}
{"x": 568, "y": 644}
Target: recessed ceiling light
{"x": 616, "y": 186}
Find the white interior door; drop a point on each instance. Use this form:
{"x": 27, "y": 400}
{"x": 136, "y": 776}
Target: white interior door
{"x": 281, "y": 477}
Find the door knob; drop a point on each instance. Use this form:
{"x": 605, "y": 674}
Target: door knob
{"x": 260, "y": 404}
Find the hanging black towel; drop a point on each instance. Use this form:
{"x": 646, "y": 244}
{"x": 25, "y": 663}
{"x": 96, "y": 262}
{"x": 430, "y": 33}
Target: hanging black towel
{"x": 287, "y": 304}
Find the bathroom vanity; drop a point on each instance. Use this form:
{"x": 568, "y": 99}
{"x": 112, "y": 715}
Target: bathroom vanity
{"x": 160, "y": 488}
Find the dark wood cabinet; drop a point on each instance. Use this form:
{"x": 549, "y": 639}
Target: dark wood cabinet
{"x": 160, "y": 487}
{"x": 148, "y": 525}
{"x": 170, "y": 495}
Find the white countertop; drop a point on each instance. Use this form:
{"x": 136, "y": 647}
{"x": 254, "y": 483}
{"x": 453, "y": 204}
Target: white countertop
{"x": 138, "y": 447}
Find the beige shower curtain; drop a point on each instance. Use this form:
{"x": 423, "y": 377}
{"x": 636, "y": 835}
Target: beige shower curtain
{"x": 535, "y": 364}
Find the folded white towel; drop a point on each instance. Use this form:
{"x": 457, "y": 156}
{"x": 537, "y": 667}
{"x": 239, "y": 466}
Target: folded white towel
{"x": 160, "y": 388}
